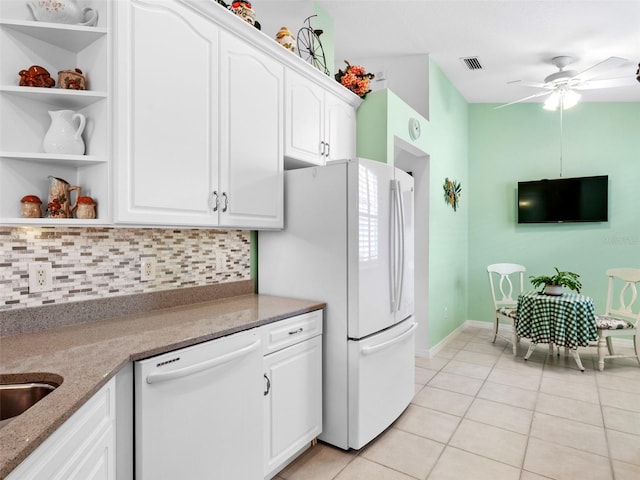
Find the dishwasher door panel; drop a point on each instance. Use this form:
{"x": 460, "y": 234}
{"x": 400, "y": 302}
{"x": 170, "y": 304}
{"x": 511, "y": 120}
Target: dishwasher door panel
{"x": 198, "y": 411}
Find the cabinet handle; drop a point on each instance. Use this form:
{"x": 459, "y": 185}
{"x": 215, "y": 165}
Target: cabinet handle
{"x": 295, "y": 332}
{"x": 328, "y": 150}
{"x": 322, "y": 144}
{"x": 213, "y": 201}
{"x": 226, "y": 202}
{"x": 157, "y": 377}
{"x": 266, "y": 392}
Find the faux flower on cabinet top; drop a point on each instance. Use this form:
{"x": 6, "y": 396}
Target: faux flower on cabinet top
{"x": 355, "y": 78}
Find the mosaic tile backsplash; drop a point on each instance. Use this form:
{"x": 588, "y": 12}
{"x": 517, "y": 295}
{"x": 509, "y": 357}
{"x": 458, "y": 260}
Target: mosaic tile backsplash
{"x": 90, "y": 263}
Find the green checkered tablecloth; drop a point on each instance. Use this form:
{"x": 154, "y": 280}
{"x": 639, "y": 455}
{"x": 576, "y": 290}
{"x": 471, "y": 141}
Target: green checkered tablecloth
{"x": 567, "y": 320}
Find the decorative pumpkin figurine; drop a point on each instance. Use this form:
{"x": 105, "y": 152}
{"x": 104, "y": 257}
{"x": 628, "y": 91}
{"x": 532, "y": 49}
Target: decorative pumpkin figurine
{"x": 284, "y": 38}
{"x": 245, "y": 11}
{"x": 36, "y": 76}
{"x": 31, "y": 206}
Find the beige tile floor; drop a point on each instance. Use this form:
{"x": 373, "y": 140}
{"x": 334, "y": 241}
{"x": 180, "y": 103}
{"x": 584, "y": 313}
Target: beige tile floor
{"x": 479, "y": 413}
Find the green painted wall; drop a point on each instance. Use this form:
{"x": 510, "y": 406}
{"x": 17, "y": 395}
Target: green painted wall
{"x": 447, "y": 133}
{"x": 522, "y": 142}
{"x": 324, "y": 21}
{"x": 381, "y": 118}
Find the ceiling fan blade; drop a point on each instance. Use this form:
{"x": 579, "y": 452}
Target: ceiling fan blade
{"x": 525, "y": 83}
{"x": 600, "y": 68}
{"x": 539, "y": 94}
{"x": 608, "y": 83}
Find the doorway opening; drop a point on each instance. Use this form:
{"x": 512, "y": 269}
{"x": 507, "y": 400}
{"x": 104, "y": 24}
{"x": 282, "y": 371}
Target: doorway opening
{"x": 411, "y": 159}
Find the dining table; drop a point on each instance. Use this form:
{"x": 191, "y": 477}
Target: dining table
{"x": 567, "y": 320}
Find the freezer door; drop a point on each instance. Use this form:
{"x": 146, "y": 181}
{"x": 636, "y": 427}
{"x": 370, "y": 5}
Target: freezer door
{"x": 405, "y": 245}
{"x": 370, "y": 235}
{"x": 381, "y": 381}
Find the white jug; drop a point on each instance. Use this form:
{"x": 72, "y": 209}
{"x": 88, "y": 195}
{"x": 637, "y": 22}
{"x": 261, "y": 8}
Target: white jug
{"x": 63, "y": 136}
{"x": 63, "y": 11}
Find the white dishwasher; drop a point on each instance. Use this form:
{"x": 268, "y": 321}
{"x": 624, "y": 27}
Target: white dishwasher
{"x": 198, "y": 411}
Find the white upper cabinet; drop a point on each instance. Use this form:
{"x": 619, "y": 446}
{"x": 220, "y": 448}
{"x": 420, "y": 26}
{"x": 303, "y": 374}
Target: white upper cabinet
{"x": 166, "y": 115}
{"x": 340, "y": 128}
{"x": 251, "y": 166}
{"x": 24, "y": 110}
{"x": 199, "y": 122}
{"x": 319, "y": 126}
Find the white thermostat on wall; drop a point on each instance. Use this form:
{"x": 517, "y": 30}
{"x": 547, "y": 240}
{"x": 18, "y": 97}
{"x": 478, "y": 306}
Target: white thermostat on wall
{"x": 414, "y": 128}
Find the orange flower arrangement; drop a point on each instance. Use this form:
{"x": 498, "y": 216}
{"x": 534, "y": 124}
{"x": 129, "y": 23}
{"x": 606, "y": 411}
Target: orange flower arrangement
{"x": 355, "y": 78}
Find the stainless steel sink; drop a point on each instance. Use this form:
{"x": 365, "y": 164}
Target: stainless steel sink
{"x": 15, "y": 398}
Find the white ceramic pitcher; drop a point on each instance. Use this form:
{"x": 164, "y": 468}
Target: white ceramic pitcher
{"x": 63, "y": 136}
{"x": 63, "y": 11}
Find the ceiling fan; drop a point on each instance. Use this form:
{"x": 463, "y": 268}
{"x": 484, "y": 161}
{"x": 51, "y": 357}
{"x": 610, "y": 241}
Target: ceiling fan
{"x": 562, "y": 86}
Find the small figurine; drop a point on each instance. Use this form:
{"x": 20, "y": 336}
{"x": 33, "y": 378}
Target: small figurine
{"x": 72, "y": 79}
{"x": 85, "y": 208}
{"x": 284, "y": 38}
{"x": 36, "y": 76}
{"x": 31, "y": 206}
{"x": 244, "y": 10}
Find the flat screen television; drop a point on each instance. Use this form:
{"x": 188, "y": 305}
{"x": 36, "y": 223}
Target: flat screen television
{"x": 581, "y": 199}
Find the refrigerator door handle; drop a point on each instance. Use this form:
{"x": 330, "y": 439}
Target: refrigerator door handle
{"x": 392, "y": 248}
{"x": 381, "y": 346}
{"x": 401, "y": 245}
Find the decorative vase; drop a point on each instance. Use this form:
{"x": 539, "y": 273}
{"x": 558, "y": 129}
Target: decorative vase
{"x": 555, "y": 290}
{"x": 59, "y": 200}
{"x": 63, "y": 136}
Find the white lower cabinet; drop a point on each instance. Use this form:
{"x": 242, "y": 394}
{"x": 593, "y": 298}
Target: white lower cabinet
{"x": 83, "y": 448}
{"x": 293, "y": 389}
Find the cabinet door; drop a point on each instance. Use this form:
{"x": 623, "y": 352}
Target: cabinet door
{"x": 304, "y": 120}
{"x": 166, "y": 115}
{"x": 82, "y": 448}
{"x": 293, "y": 402}
{"x": 251, "y": 176}
{"x": 340, "y": 129}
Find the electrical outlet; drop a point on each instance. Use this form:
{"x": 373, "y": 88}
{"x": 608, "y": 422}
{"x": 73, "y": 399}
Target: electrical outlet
{"x": 40, "y": 277}
{"x": 147, "y": 269}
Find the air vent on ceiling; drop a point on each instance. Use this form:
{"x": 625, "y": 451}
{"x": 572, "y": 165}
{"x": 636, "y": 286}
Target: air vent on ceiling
{"x": 472, "y": 63}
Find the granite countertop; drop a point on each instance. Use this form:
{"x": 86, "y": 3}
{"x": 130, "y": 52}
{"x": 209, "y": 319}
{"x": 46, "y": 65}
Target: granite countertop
{"x": 87, "y": 355}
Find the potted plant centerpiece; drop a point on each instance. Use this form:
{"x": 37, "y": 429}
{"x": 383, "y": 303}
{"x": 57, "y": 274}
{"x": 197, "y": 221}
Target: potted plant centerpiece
{"x": 554, "y": 284}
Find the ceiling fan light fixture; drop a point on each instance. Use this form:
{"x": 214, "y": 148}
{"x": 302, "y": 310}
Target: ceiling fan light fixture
{"x": 553, "y": 101}
{"x": 570, "y": 99}
{"x": 561, "y": 98}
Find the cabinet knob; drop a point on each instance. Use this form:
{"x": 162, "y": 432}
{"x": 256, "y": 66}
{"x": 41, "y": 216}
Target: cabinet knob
{"x": 328, "y": 150}
{"x": 322, "y": 144}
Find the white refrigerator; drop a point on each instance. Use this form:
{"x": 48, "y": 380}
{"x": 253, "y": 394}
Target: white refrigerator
{"x": 348, "y": 241}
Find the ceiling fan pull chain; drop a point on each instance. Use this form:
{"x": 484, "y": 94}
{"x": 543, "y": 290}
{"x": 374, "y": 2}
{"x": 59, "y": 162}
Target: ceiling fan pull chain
{"x": 561, "y": 132}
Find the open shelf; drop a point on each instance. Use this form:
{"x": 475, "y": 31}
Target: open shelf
{"x": 74, "y": 99}
{"x": 70, "y": 37}
{"x": 59, "y": 159}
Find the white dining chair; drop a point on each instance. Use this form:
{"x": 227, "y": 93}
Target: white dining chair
{"x": 506, "y": 281}
{"x": 621, "y": 315}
